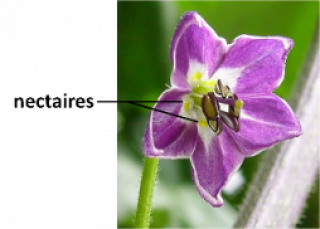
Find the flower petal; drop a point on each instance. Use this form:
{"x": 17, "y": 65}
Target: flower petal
{"x": 169, "y": 136}
{"x": 255, "y": 64}
{"x": 194, "y": 42}
{"x": 213, "y": 166}
{"x": 265, "y": 120}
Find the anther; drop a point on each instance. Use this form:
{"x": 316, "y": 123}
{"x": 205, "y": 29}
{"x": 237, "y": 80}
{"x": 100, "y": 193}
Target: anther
{"x": 216, "y": 125}
{"x": 230, "y": 120}
{"x": 210, "y": 106}
{"x": 216, "y": 117}
{"x": 222, "y": 90}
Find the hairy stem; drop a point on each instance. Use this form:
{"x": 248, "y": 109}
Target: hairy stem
{"x": 148, "y": 179}
{"x": 279, "y": 191}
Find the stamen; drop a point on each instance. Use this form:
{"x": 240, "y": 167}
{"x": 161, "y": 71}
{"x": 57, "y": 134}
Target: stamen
{"x": 234, "y": 111}
{"x": 210, "y": 105}
{"x": 229, "y": 101}
{"x": 222, "y": 90}
{"x": 216, "y": 125}
{"x": 230, "y": 120}
{"x": 239, "y": 104}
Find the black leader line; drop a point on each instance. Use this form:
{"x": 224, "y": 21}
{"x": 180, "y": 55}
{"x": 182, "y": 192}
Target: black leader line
{"x": 138, "y": 101}
{"x": 155, "y": 109}
{"x": 151, "y": 108}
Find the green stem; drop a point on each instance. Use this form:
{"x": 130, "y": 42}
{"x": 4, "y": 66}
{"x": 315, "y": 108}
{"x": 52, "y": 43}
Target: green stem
{"x": 148, "y": 179}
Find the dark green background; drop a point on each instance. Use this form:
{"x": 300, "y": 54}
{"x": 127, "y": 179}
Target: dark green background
{"x": 145, "y": 30}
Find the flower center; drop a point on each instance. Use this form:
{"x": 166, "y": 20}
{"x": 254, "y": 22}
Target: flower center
{"x": 214, "y": 104}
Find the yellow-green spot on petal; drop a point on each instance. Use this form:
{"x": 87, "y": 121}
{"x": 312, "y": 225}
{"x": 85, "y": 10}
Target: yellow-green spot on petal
{"x": 186, "y": 105}
{"x": 201, "y": 90}
{"x": 197, "y": 76}
{"x": 196, "y": 99}
{"x": 238, "y": 103}
{"x": 202, "y": 123}
{"x": 211, "y": 83}
{"x": 208, "y": 84}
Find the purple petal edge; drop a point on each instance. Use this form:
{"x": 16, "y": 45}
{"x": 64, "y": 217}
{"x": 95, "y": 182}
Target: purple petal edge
{"x": 260, "y": 63}
{"x": 168, "y": 136}
{"x": 213, "y": 166}
{"x": 266, "y": 121}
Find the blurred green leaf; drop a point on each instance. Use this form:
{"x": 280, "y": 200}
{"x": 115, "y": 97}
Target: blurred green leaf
{"x": 140, "y": 50}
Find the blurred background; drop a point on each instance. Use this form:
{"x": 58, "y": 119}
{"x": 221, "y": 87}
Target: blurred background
{"x": 145, "y": 30}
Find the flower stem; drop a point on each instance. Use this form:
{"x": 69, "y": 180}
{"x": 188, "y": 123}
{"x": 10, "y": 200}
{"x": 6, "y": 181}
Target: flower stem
{"x": 148, "y": 179}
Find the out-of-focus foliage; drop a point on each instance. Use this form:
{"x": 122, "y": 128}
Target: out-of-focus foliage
{"x": 145, "y": 30}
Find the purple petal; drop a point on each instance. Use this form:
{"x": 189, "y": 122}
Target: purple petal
{"x": 169, "y": 136}
{"x": 194, "y": 42}
{"x": 255, "y": 64}
{"x": 212, "y": 166}
{"x": 265, "y": 120}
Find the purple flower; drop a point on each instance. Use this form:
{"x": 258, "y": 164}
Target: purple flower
{"x": 228, "y": 90}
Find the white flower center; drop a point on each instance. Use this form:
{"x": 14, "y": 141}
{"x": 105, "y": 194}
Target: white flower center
{"x": 212, "y": 104}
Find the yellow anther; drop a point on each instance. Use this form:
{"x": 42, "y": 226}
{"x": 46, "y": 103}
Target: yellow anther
{"x": 238, "y": 103}
{"x": 202, "y": 123}
{"x": 197, "y": 76}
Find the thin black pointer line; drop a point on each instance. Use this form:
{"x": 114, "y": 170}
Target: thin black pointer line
{"x": 155, "y": 109}
{"x": 137, "y": 101}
